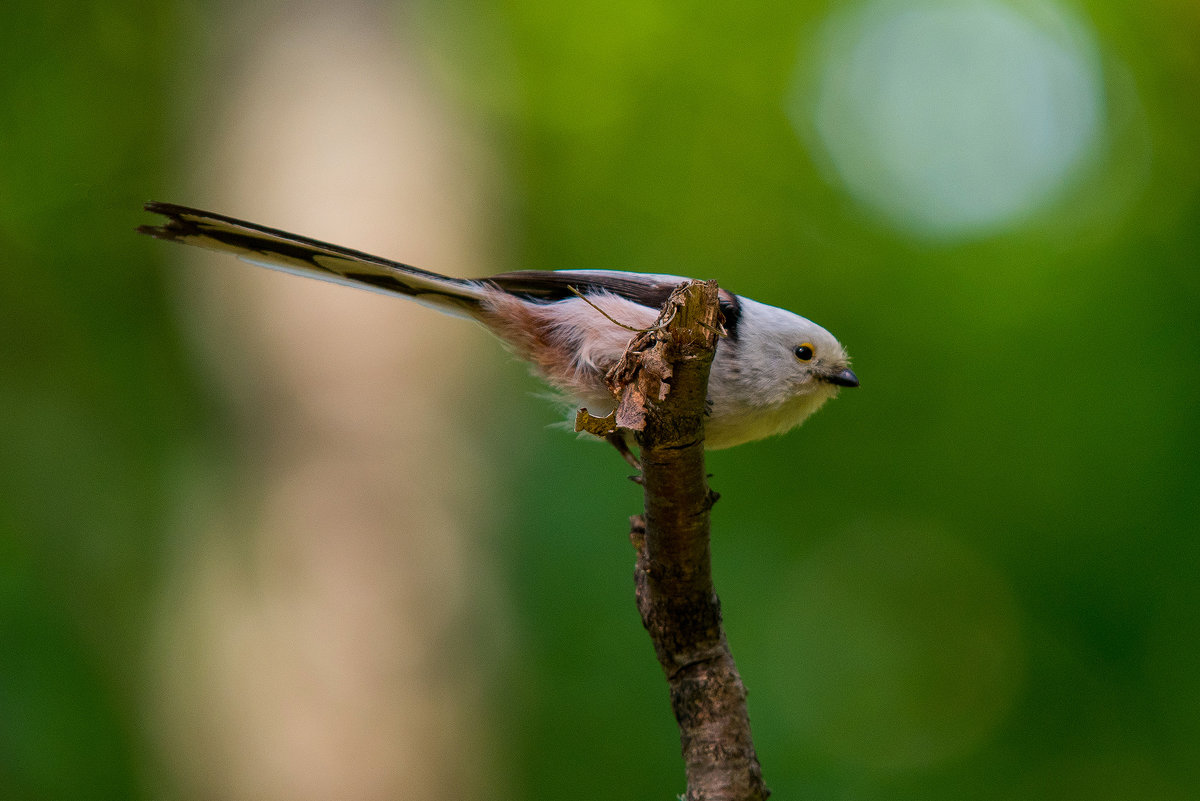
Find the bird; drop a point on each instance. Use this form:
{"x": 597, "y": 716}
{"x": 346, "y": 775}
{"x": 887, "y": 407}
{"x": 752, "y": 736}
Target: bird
{"x": 771, "y": 370}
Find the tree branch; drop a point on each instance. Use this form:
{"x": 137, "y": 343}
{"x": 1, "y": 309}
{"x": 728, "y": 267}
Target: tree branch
{"x": 662, "y": 386}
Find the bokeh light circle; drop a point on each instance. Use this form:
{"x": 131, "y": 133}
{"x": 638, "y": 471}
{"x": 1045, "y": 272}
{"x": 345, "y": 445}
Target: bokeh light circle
{"x": 953, "y": 119}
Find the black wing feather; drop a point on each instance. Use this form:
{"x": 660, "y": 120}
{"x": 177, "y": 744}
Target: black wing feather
{"x": 645, "y": 290}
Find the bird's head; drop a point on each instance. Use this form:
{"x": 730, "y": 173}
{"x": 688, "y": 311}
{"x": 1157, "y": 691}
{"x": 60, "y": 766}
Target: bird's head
{"x": 786, "y": 356}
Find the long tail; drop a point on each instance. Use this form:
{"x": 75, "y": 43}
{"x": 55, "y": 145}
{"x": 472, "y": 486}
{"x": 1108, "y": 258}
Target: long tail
{"x": 291, "y": 253}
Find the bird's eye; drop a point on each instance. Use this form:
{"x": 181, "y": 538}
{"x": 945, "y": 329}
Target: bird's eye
{"x": 804, "y": 352}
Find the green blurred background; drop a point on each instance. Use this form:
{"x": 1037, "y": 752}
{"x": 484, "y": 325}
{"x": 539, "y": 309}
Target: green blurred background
{"x": 976, "y": 577}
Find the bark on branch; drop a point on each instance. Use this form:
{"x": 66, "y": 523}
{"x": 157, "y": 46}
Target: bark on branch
{"x": 662, "y": 385}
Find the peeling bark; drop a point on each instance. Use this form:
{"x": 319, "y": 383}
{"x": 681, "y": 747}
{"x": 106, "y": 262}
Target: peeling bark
{"x": 661, "y": 383}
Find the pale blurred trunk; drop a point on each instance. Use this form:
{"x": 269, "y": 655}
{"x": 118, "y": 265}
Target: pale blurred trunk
{"x": 311, "y": 642}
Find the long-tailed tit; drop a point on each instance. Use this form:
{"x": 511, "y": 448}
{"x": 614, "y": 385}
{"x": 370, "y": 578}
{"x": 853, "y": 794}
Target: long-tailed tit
{"x": 771, "y": 372}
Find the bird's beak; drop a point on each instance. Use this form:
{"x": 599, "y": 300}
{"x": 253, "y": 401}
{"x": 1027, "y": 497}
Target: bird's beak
{"x": 842, "y": 378}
